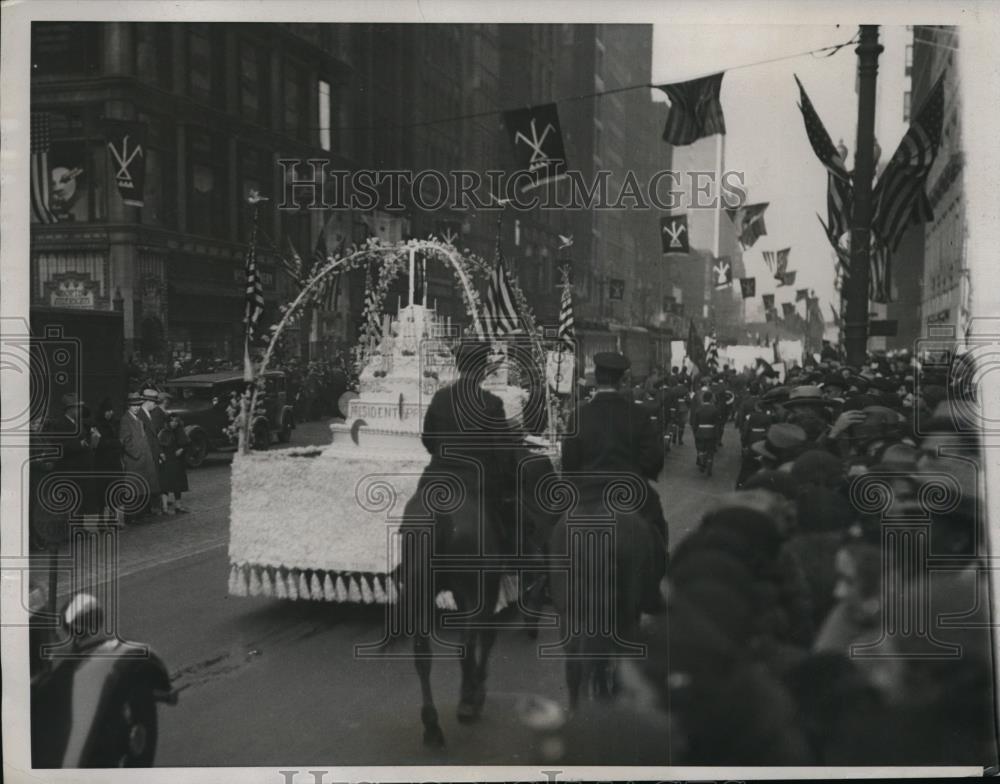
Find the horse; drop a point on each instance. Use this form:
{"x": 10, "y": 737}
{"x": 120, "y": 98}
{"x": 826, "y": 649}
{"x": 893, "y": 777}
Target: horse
{"x": 447, "y": 519}
{"x": 598, "y": 578}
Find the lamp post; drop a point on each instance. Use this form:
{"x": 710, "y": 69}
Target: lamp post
{"x": 856, "y": 317}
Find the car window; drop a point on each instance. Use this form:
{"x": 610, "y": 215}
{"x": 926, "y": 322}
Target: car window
{"x": 190, "y": 393}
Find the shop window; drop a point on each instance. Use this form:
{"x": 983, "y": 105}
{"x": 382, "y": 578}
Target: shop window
{"x": 325, "y": 115}
{"x": 294, "y": 100}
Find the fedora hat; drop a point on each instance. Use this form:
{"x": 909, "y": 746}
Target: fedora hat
{"x": 805, "y": 396}
{"x": 135, "y": 398}
{"x": 151, "y": 394}
{"x": 781, "y": 439}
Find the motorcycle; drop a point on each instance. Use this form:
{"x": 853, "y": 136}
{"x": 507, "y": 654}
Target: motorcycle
{"x": 93, "y": 696}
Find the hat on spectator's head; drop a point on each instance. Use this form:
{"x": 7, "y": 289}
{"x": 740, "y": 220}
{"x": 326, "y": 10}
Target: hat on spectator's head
{"x": 151, "y": 394}
{"x": 781, "y": 443}
{"x": 778, "y": 482}
{"x": 775, "y": 395}
{"x": 804, "y": 396}
{"x": 611, "y": 361}
{"x": 135, "y": 398}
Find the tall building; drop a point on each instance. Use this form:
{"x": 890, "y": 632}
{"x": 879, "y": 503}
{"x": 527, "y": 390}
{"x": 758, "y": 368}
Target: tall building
{"x": 220, "y": 103}
{"x": 945, "y": 292}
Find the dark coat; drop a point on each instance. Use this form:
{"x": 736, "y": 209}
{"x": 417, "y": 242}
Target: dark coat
{"x": 173, "y": 471}
{"x": 76, "y": 458}
{"x": 140, "y": 449}
{"x": 612, "y": 433}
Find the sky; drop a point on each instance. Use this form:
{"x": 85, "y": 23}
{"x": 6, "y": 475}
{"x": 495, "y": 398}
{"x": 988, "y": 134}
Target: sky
{"x": 765, "y": 135}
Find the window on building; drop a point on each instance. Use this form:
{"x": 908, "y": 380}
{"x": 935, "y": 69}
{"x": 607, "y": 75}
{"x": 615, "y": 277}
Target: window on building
{"x": 66, "y": 48}
{"x": 325, "y": 115}
{"x": 207, "y": 205}
{"x": 909, "y": 59}
{"x": 294, "y": 99}
{"x": 254, "y": 84}
{"x": 154, "y": 55}
{"x": 906, "y": 106}
{"x": 206, "y": 58}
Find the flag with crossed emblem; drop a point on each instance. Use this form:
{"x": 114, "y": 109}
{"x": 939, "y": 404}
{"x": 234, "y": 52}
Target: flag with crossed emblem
{"x": 674, "y": 234}
{"x": 695, "y": 110}
{"x": 780, "y": 262}
{"x": 748, "y": 287}
{"x": 537, "y": 140}
{"x": 127, "y": 148}
{"x": 448, "y": 231}
{"x": 616, "y": 288}
{"x": 723, "y": 271}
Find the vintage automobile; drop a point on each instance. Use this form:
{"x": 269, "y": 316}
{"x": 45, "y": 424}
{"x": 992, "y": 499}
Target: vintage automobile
{"x": 93, "y": 696}
{"x": 205, "y": 402}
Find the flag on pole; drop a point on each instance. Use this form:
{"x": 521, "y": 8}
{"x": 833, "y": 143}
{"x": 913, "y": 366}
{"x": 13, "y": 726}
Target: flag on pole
{"x": 819, "y": 139}
{"x": 836, "y": 315}
{"x": 254, "y": 305}
{"x": 899, "y": 196}
{"x": 537, "y": 140}
{"x": 749, "y": 222}
{"x": 781, "y": 263}
{"x": 712, "y": 354}
{"x": 723, "y": 273}
{"x": 748, "y": 287}
{"x": 769, "y": 260}
{"x": 787, "y": 310}
{"x": 567, "y": 330}
{"x": 787, "y": 278}
{"x": 40, "y": 139}
{"x": 801, "y": 294}
{"x": 880, "y": 280}
{"x": 674, "y": 234}
{"x": 695, "y": 348}
{"x": 293, "y": 264}
{"x": 768, "y": 300}
{"x": 371, "y": 312}
{"x": 501, "y": 314}
{"x": 695, "y": 110}
{"x": 324, "y": 295}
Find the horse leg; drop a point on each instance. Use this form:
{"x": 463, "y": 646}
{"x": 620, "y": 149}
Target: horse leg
{"x": 428, "y": 713}
{"x": 467, "y": 710}
{"x": 487, "y": 638}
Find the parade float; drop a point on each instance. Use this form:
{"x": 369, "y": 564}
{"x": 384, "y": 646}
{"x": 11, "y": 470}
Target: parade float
{"x": 318, "y": 522}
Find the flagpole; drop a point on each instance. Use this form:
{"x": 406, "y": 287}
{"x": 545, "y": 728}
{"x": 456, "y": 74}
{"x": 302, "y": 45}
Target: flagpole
{"x": 856, "y": 321}
{"x": 243, "y": 432}
{"x": 720, "y": 151}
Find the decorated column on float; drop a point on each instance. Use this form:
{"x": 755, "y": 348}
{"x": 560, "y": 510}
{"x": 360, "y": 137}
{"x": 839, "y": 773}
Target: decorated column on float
{"x": 319, "y": 522}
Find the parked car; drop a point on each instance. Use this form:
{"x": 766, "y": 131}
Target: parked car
{"x": 203, "y": 402}
{"x": 93, "y": 696}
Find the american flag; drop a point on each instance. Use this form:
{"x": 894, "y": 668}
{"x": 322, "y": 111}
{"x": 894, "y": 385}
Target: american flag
{"x": 325, "y": 296}
{"x": 899, "y": 195}
{"x": 567, "y": 329}
{"x": 293, "y": 264}
{"x": 500, "y": 311}
{"x": 780, "y": 263}
{"x": 695, "y": 110}
{"x": 372, "y": 305}
{"x": 769, "y": 260}
{"x": 712, "y": 354}
{"x": 838, "y": 187}
{"x": 40, "y": 134}
{"x": 255, "y": 286}
{"x": 880, "y": 280}
{"x": 749, "y": 221}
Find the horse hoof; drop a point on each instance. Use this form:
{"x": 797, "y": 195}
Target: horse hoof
{"x": 433, "y": 737}
{"x": 480, "y": 698}
{"x": 467, "y": 712}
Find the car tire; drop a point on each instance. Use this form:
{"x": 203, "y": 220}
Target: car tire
{"x": 285, "y": 434}
{"x": 196, "y": 451}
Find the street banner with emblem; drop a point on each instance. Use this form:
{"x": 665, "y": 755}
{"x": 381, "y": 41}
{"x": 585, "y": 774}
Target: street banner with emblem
{"x": 616, "y": 288}
{"x": 537, "y": 140}
{"x": 674, "y": 234}
{"x": 768, "y": 300}
{"x": 787, "y": 278}
{"x": 723, "y": 271}
{"x": 448, "y": 231}
{"x": 781, "y": 262}
{"x": 748, "y": 287}
{"x": 127, "y": 150}
{"x": 749, "y": 222}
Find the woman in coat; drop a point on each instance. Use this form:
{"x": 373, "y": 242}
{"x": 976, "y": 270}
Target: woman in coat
{"x": 173, "y": 472}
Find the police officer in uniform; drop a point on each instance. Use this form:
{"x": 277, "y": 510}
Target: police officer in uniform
{"x": 611, "y": 433}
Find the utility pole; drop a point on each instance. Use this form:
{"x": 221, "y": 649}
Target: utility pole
{"x": 856, "y": 317}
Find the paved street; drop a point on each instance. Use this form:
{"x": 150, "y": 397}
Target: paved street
{"x": 266, "y": 682}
